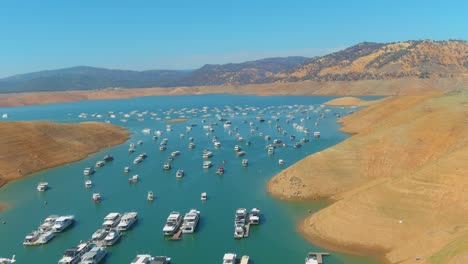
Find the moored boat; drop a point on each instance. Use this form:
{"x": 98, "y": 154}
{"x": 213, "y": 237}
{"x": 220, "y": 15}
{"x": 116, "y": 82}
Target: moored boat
{"x": 88, "y": 171}
{"x": 112, "y": 237}
{"x": 94, "y": 256}
{"x": 166, "y": 166}
{"x": 240, "y": 153}
{"x": 45, "y": 237}
{"x": 99, "y": 234}
{"x": 31, "y": 238}
{"x": 42, "y": 186}
{"x": 239, "y": 231}
{"x": 96, "y": 197}
{"x": 190, "y": 222}
{"x": 100, "y": 164}
{"x": 127, "y": 221}
{"x": 48, "y": 223}
{"x": 62, "y": 223}
{"x": 88, "y": 184}
{"x": 150, "y": 196}
{"x": 111, "y": 220}
{"x": 207, "y": 154}
{"x": 311, "y": 259}
{"x": 73, "y": 255}
{"x": 271, "y": 150}
{"x": 180, "y": 173}
{"x": 173, "y": 223}
{"x": 254, "y": 216}
{"x": 203, "y": 196}
{"x": 220, "y": 170}
{"x": 207, "y": 164}
{"x": 229, "y": 258}
{"x": 148, "y": 259}
{"x": 240, "y": 216}
{"x": 133, "y": 179}
{"x": 175, "y": 153}
{"x": 108, "y": 158}
{"x": 245, "y": 162}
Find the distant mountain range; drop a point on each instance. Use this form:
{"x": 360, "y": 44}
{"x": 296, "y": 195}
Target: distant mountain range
{"x": 364, "y": 61}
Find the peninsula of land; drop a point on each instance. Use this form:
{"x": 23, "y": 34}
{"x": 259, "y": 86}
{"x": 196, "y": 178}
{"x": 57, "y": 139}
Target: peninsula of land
{"x": 28, "y": 147}
{"x": 398, "y": 185}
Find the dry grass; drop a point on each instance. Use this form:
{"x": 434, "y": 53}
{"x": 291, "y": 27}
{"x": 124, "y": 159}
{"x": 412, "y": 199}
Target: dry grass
{"x": 399, "y": 183}
{"x": 28, "y": 147}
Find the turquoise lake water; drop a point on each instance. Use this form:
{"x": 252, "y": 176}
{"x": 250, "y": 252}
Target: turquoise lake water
{"x": 275, "y": 240}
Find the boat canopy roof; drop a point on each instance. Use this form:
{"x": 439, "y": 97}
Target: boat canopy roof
{"x": 229, "y": 256}
{"x": 111, "y": 216}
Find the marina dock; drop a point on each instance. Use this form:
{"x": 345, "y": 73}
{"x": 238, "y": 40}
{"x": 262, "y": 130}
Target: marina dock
{"x": 247, "y": 230}
{"x": 319, "y": 256}
{"x": 177, "y": 235}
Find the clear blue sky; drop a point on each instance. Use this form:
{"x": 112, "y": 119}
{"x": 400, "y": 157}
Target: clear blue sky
{"x": 172, "y": 34}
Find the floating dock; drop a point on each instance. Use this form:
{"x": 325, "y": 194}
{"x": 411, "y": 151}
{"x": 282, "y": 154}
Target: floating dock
{"x": 244, "y": 260}
{"x": 247, "y": 230}
{"x": 177, "y": 235}
{"x": 319, "y": 256}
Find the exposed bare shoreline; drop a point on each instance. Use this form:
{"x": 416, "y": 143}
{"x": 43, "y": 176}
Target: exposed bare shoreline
{"x": 382, "y": 87}
{"x": 375, "y": 253}
{"x": 396, "y": 183}
{"x": 40, "y": 145}
{"x": 406, "y": 86}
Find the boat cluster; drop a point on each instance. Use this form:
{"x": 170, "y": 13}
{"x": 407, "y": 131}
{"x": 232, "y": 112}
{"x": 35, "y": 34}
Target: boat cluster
{"x": 187, "y": 224}
{"x": 47, "y": 230}
{"x": 231, "y": 258}
{"x": 243, "y": 220}
{"x": 176, "y": 223}
{"x": 93, "y": 251}
{"x": 148, "y": 259}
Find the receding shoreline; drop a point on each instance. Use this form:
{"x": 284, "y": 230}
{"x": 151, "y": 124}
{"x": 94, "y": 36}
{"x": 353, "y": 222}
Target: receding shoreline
{"x": 403, "y": 86}
{"x": 391, "y": 182}
{"x": 41, "y": 145}
{"x": 375, "y": 253}
{"x": 353, "y": 125}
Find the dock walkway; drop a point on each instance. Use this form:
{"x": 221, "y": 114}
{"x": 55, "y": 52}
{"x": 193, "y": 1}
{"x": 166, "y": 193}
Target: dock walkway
{"x": 176, "y": 235}
{"x": 319, "y": 256}
{"x": 247, "y": 230}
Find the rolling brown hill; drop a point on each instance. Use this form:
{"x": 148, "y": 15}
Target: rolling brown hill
{"x": 398, "y": 185}
{"x": 371, "y": 61}
{"x": 364, "y": 61}
{"x": 28, "y": 147}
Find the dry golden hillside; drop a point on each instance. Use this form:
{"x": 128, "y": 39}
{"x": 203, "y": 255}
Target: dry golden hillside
{"x": 27, "y": 147}
{"x": 399, "y": 184}
{"x": 422, "y": 59}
